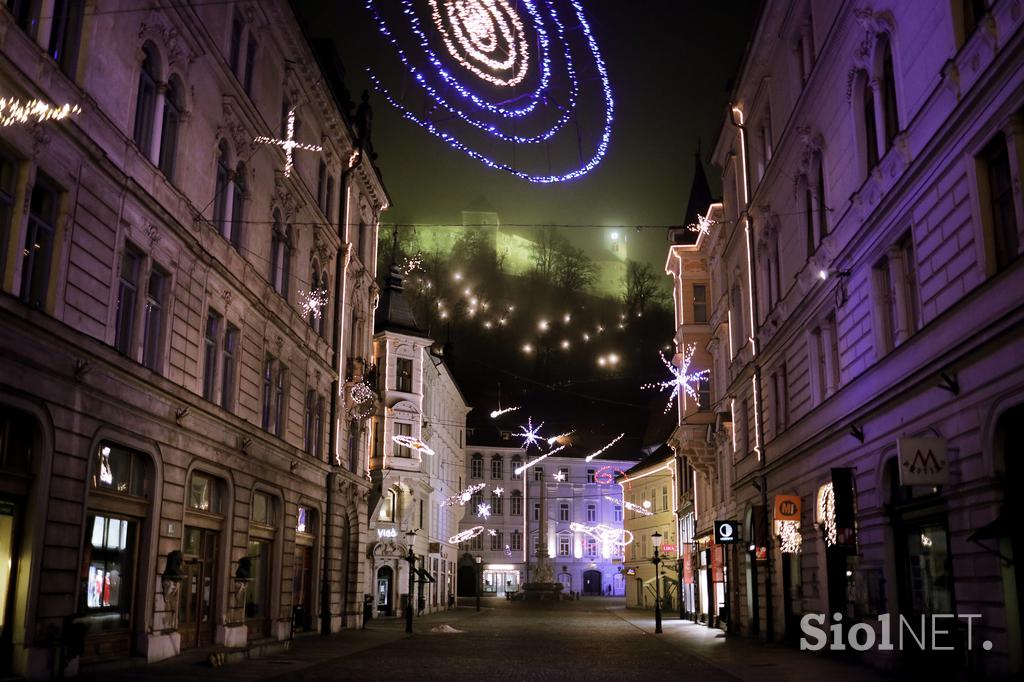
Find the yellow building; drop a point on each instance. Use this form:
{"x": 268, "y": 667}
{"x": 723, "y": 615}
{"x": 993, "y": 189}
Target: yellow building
{"x": 649, "y": 506}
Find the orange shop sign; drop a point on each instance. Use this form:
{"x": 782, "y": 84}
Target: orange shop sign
{"x": 787, "y": 508}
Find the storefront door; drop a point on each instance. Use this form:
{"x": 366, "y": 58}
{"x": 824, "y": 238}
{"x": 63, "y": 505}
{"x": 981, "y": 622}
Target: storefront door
{"x": 592, "y": 583}
{"x": 257, "y": 592}
{"x": 8, "y": 579}
{"x": 792, "y": 592}
{"x": 198, "y": 588}
{"x": 302, "y": 583}
{"x": 384, "y": 576}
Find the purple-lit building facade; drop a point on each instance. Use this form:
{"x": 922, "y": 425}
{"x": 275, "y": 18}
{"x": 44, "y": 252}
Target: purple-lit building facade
{"x": 865, "y": 319}
{"x": 181, "y": 461}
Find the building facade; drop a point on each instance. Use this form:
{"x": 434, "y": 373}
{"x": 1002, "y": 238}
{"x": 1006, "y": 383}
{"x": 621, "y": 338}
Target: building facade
{"x": 866, "y": 325}
{"x": 177, "y": 468}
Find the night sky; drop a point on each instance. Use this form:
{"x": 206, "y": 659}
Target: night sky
{"x": 670, "y": 63}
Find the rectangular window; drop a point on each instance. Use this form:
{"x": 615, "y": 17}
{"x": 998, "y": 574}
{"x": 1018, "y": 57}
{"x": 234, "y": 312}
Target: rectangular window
{"x": 591, "y": 547}
{"x": 127, "y": 297}
{"x": 210, "y": 355}
{"x": 403, "y": 377}
{"x": 496, "y": 505}
{"x": 268, "y": 391}
{"x": 108, "y": 565}
{"x": 563, "y": 474}
{"x": 250, "y": 62}
{"x": 909, "y": 282}
{"x": 476, "y": 543}
{"x": 235, "y": 49}
{"x": 279, "y": 400}
{"x": 66, "y": 34}
{"x": 8, "y": 178}
{"x": 538, "y": 473}
{"x": 39, "y": 243}
{"x": 153, "y": 322}
{"x": 476, "y": 467}
{"x": 536, "y": 511}
{"x": 563, "y": 511}
{"x": 885, "y": 306}
{"x": 1000, "y": 207}
{"x": 402, "y": 429}
{"x": 591, "y": 513}
{"x": 781, "y": 397}
{"x": 318, "y": 428}
{"x": 228, "y": 354}
{"x": 496, "y": 467}
{"x": 704, "y": 393}
{"x": 262, "y": 508}
{"x": 564, "y": 543}
{"x": 517, "y": 540}
{"x": 516, "y": 463}
{"x": 590, "y": 475}
{"x": 496, "y": 542}
{"x": 700, "y": 304}
{"x": 202, "y": 494}
{"x": 310, "y": 408}
{"x": 617, "y": 513}
{"x": 664, "y": 498}
{"x": 516, "y": 505}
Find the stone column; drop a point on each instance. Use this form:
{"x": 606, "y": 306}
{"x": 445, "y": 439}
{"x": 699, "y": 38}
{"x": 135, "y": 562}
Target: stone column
{"x": 158, "y": 123}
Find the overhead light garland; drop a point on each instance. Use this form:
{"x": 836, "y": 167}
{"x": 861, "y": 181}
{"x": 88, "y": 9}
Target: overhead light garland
{"x": 490, "y": 40}
{"x": 497, "y": 413}
{"x": 682, "y": 378}
{"x": 598, "y": 452}
{"x": 16, "y": 112}
{"x": 606, "y": 475}
{"x": 630, "y": 506}
{"x": 606, "y": 535}
{"x": 413, "y": 444}
{"x": 537, "y": 460}
{"x": 288, "y": 144}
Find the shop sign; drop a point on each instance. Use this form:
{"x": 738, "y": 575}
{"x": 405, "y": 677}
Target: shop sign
{"x": 630, "y": 571}
{"x": 668, "y": 549}
{"x": 761, "y": 554}
{"x": 787, "y": 508}
{"x": 923, "y": 461}
{"x": 687, "y": 565}
{"x": 387, "y": 533}
{"x": 726, "y": 532}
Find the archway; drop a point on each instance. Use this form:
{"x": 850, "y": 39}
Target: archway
{"x": 592, "y": 583}
{"x": 467, "y": 581}
{"x": 385, "y": 580}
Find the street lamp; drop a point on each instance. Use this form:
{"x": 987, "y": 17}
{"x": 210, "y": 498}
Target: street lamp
{"x": 411, "y": 558}
{"x": 479, "y": 579}
{"x": 656, "y": 541}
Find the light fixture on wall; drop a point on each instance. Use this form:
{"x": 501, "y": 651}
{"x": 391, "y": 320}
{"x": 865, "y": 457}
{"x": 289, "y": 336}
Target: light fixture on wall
{"x": 842, "y": 276}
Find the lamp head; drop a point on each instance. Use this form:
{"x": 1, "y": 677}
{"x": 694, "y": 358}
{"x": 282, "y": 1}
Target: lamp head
{"x": 656, "y": 539}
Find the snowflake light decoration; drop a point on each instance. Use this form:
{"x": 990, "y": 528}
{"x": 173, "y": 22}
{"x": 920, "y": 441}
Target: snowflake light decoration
{"x": 483, "y": 510}
{"x": 493, "y": 533}
{"x": 598, "y": 452}
{"x": 412, "y": 264}
{"x": 703, "y": 224}
{"x": 530, "y": 434}
{"x": 498, "y": 492}
{"x": 559, "y": 476}
{"x": 554, "y": 66}
{"x": 288, "y": 144}
{"x": 682, "y": 378}
{"x": 413, "y": 444}
{"x": 13, "y": 111}
{"x": 312, "y": 302}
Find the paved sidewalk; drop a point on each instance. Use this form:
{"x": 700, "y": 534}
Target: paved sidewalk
{"x": 305, "y": 652}
{"x": 745, "y": 658}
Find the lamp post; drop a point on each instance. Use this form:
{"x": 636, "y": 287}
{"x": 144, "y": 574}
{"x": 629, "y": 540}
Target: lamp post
{"x": 479, "y": 579}
{"x": 656, "y": 541}
{"x": 411, "y": 558}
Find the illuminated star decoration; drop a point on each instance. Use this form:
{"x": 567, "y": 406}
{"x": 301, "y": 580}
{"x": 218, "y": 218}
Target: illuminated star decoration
{"x": 559, "y": 476}
{"x": 594, "y": 454}
{"x": 497, "y": 413}
{"x": 312, "y": 302}
{"x": 681, "y": 377}
{"x": 552, "y": 63}
{"x": 483, "y": 510}
{"x": 508, "y": 551}
{"x": 413, "y": 444}
{"x": 289, "y": 144}
{"x": 493, "y": 533}
{"x": 13, "y": 111}
{"x": 498, "y": 492}
{"x": 703, "y": 224}
{"x": 530, "y": 434}
{"x": 412, "y": 264}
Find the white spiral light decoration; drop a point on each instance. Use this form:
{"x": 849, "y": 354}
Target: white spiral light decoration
{"x": 484, "y": 36}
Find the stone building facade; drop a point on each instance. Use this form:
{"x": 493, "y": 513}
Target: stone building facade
{"x": 866, "y": 325}
{"x": 179, "y": 463}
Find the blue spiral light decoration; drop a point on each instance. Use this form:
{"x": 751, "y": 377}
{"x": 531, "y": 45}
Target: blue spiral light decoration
{"x": 489, "y": 75}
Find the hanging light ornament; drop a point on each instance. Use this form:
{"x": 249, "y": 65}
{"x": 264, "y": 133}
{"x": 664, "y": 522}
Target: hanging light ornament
{"x": 16, "y": 112}
{"x": 312, "y": 302}
{"x": 463, "y": 497}
{"x": 530, "y": 434}
{"x": 413, "y": 444}
{"x": 681, "y": 377}
{"x": 465, "y": 535}
{"x": 520, "y": 470}
{"x": 598, "y": 452}
{"x": 497, "y": 413}
{"x": 488, "y": 44}
{"x": 703, "y": 224}
{"x": 288, "y": 144}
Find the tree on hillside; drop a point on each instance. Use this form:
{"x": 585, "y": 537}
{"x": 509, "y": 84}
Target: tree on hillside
{"x": 641, "y": 287}
{"x": 574, "y": 271}
{"x": 546, "y": 247}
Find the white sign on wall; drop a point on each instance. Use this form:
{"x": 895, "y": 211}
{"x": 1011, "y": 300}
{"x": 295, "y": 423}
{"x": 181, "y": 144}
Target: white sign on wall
{"x": 383, "y": 533}
{"x": 923, "y": 461}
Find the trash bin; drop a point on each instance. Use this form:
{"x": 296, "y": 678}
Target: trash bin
{"x": 367, "y": 608}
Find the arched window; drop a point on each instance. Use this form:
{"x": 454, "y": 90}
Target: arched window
{"x": 169, "y": 127}
{"x": 870, "y": 128}
{"x": 286, "y": 262}
{"x": 517, "y": 462}
{"x": 145, "y": 101}
{"x": 496, "y": 466}
{"x": 238, "y": 206}
{"x": 476, "y": 469}
{"x": 516, "y": 503}
{"x": 888, "y": 88}
{"x": 325, "y": 292}
{"x": 736, "y": 321}
{"x": 221, "y": 187}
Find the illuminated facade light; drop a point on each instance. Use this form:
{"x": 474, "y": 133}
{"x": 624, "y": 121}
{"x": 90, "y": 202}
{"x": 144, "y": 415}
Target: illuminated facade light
{"x": 289, "y": 144}
{"x": 16, "y": 112}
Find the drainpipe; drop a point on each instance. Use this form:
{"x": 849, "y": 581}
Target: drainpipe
{"x": 735, "y": 112}
{"x": 340, "y": 270}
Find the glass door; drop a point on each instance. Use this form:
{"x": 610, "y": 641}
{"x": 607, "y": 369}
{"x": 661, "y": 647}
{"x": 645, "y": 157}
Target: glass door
{"x": 8, "y": 565}
{"x": 257, "y": 592}
{"x": 198, "y": 588}
{"x": 302, "y": 588}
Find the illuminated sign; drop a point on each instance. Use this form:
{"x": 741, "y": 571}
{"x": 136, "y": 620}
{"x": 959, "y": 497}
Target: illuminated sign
{"x": 923, "y": 461}
{"x": 787, "y": 508}
{"x": 725, "y": 532}
{"x": 383, "y": 533}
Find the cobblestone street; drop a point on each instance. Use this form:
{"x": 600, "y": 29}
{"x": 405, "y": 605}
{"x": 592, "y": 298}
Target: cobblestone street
{"x": 590, "y": 639}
